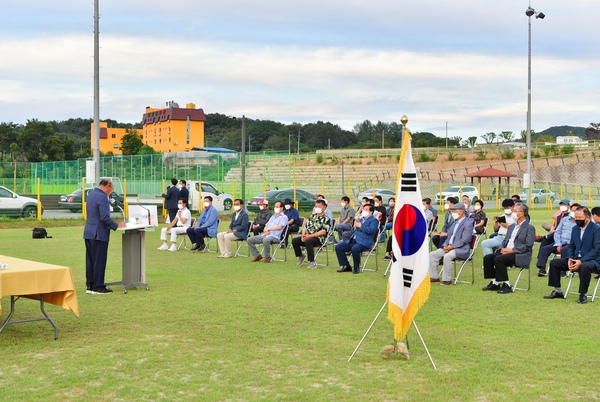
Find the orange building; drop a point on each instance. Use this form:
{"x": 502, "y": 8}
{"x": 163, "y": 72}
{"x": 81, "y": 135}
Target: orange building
{"x": 173, "y": 129}
{"x": 110, "y": 138}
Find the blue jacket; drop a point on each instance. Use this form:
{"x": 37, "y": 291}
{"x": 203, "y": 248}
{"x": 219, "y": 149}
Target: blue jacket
{"x": 292, "y": 213}
{"x": 588, "y": 247}
{"x": 209, "y": 218}
{"x": 240, "y": 225}
{"x": 365, "y": 234}
{"x": 171, "y": 197}
{"x": 462, "y": 239}
{"x": 98, "y": 223}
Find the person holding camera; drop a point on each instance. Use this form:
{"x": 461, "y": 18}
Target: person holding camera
{"x": 501, "y": 224}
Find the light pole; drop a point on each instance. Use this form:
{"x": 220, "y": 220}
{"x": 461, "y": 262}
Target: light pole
{"x": 527, "y": 180}
{"x": 299, "y": 132}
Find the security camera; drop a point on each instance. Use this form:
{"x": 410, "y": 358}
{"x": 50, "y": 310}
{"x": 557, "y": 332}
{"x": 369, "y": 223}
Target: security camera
{"x": 530, "y": 11}
{"x": 540, "y": 16}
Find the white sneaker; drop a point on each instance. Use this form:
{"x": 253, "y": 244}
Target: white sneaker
{"x": 163, "y": 247}
{"x": 173, "y": 247}
{"x": 312, "y": 265}
{"x": 300, "y": 260}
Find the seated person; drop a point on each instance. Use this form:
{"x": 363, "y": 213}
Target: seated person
{"x": 469, "y": 209}
{"x": 264, "y": 214}
{"x": 271, "y": 234}
{"x": 361, "y": 239}
{"x": 293, "y": 218}
{"x": 457, "y": 244}
{"x": 479, "y": 217}
{"x": 389, "y": 218}
{"x": 516, "y": 249}
{"x": 328, "y": 212}
{"x": 582, "y": 255}
{"x": 501, "y": 224}
{"x": 440, "y": 237}
{"x": 178, "y": 226}
{"x": 561, "y": 236}
{"x": 346, "y": 222}
{"x": 428, "y": 211}
{"x": 596, "y": 215}
{"x": 238, "y": 229}
{"x": 313, "y": 235}
{"x": 207, "y": 225}
{"x": 563, "y": 211}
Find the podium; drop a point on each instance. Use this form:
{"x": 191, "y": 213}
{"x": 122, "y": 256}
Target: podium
{"x": 133, "y": 257}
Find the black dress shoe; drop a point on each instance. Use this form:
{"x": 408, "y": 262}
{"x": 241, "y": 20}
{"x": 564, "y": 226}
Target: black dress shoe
{"x": 195, "y": 247}
{"x": 542, "y": 272}
{"x": 505, "y": 288}
{"x": 555, "y": 295}
{"x": 491, "y": 286}
{"x": 347, "y": 268}
{"x": 582, "y": 299}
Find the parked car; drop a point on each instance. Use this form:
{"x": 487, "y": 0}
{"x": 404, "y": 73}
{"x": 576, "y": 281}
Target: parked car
{"x": 221, "y": 201}
{"x": 12, "y": 204}
{"x": 72, "y": 201}
{"x": 538, "y": 195}
{"x": 455, "y": 191}
{"x": 384, "y": 193}
{"x": 305, "y": 199}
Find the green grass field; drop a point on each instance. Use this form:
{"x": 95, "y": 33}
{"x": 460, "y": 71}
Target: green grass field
{"x": 213, "y": 329}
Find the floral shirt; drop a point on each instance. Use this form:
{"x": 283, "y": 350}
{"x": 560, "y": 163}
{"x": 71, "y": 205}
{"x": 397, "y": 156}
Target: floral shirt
{"x": 316, "y": 223}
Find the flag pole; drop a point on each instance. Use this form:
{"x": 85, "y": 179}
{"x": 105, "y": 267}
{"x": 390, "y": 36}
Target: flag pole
{"x": 368, "y": 330}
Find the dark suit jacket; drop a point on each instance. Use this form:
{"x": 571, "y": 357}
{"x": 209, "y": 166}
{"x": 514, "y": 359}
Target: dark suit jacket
{"x": 448, "y": 221}
{"x": 524, "y": 241}
{"x": 171, "y": 197}
{"x": 589, "y": 246}
{"x": 184, "y": 193}
{"x": 462, "y": 239}
{"x": 98, "y": 223}
{"x": 240, "y": 225}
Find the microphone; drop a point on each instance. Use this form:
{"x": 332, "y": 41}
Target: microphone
{"x": 149, "y": 216}
{"x": 115, "y": 203}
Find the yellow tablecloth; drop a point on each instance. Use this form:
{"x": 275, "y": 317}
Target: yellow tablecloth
{"x": 30, "y": 278}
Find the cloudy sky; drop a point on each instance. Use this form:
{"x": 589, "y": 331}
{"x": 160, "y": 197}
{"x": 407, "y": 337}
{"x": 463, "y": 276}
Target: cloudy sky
{"x": 462, "y": 62}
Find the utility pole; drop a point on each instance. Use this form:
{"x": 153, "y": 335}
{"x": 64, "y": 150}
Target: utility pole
{"x": 243, "y": 197}
{"x": 96, "y": 145}
{"x": 382, "y": 139}
{"x": 298, "y": 140}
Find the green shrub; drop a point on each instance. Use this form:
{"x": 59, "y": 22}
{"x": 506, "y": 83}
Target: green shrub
{"x": 567, "y": 149}
{"x": 480, "y": 155}
{"x": 451, "y": 156}
{"x": 319, "y": 158}
{"x": 507, "y": 153}
{"x": 423, "y": 157}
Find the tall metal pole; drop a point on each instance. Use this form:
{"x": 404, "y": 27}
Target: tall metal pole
{"x": 243, "y": 197}
{"x": 298, "y": 140}
{"x": 527, "y": 180}
{"x": 96, "y": 145}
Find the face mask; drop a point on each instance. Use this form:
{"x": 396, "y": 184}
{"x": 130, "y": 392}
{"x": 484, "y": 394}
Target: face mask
{"x": 455, "y": 215}
{"x": 391, "y": 204}
{"x": 343, "y": 205}
{"x": 288, "y": 206}
{"x": 580, "y": 222}
{"x": 572, "y": 215}
{"x": 317, "y": 210}
{"x": 477, "y": 207}
{"x": 180, "y": 206}
{"x": 277, "y": 210}
{"x": 377, "y": 204}
{"x": 563, "y": 208}
{"x": 206, "y": 204}
{"x": 364, "y": 214}
{"x": 237, "y": 207}
{"x": 508, "y": 211}
{"x": 446, "y": 206}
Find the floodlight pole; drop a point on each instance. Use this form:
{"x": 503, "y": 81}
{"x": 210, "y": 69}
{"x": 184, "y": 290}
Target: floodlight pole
{"x": 96, "y": 145}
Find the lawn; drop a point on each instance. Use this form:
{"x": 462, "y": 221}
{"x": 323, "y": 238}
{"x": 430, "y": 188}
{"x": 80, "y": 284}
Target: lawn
{"x": 214, "y": 329}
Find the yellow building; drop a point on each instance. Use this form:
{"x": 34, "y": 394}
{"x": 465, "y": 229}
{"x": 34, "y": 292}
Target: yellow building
{"x": 110, "y": 138}
{"x": 173, "y": 129}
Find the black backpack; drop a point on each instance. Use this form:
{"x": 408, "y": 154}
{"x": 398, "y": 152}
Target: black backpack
{"x": 40, "y": 233}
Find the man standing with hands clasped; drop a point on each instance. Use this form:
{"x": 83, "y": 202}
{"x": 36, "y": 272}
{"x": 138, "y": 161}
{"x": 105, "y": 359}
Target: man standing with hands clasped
{"x": 96, "y": 235}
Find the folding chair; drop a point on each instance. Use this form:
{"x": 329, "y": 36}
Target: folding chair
{"x": 484, "y": 233}
{"x": 207, "y": 248}
{"x": 572, "y": 275}
{"x": 464, "y": 261}
{"x": 280, "y": 245}
{"x": 521, "y": 269}
{"x": 431, "y": 230}
{"x": 369, "y": 252}
{"x": 242, "y": 241}
{"x": 297, "y": 231}
{"x": 184, "y": 235}
{"x": 323, "y": 247}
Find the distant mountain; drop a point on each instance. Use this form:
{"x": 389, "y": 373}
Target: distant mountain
{"x": 562, "y": 131}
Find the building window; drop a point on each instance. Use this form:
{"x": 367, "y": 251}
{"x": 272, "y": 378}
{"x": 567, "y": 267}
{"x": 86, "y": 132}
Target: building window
{"x": 114, "y": 136}
{"x": 116, "y": 146}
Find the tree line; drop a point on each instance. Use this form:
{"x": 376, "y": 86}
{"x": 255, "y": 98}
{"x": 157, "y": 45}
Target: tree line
{"x": 39, "y": 141}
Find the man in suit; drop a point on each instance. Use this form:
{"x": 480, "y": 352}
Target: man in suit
{"x": 238, "y": 229}
{"x": 516, "y": 248}
{"x": 360, "y": 240}
{"x": 271, "y": 234}
{"x": 457, "y": 244}
{"x": 439, "y": 238}
{"x": 207, "y": 225}
{"x": 171, "y": 198}
{"x": 582, "y": 255}
{"x": 183, "y": 191}
{"x": 96, "y": 235}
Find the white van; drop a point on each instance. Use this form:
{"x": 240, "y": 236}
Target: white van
{"x": 221, "y": 201}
